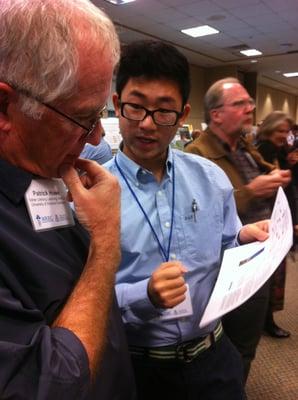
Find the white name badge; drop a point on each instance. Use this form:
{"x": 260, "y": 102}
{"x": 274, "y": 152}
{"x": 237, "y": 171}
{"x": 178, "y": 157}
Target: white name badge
{"x": 183, "y": 309}
{"x": 47, "y": 205}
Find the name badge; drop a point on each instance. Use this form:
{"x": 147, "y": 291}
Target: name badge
{"x": 47, "y": 205}
{"x": 183, "y": 309}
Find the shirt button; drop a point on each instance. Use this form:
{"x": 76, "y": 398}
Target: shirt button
{"x": 137, "y": 184}
{"x": 173, "y": 256}
{"x": 160, "y": 193}
{"x": 167, "y": 224}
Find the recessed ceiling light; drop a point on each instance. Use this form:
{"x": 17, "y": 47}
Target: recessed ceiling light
{"x": 119, "y": 2}
{"x": 251, "y": 52}
{"x": 253, "y": 61}
{"x": 199, "y": 31}
{"x": 290, "y": 74}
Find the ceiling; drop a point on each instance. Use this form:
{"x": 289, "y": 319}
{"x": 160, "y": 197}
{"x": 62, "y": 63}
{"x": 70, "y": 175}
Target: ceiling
{"x": 270, "y": 26}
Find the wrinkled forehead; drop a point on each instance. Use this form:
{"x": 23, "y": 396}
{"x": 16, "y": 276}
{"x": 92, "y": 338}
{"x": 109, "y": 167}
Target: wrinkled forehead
{"x": 96, "y": 65}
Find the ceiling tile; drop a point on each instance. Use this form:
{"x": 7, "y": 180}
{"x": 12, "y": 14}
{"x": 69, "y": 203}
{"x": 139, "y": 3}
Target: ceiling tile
{"x": 278, "y": 5}
{"x": 174, "y": 3}
{"x": 201, "y": 9}
{"x": 184, "y": 23}
{"x": 252, "y": 10}
{"x": 229, "y": 4}
{"x": 145, "y": 6}
{"x": 222, "y": 40}
{"x": 261, "y": 21}
{"x": 229, "y": 24}
{"x": 169, "y": 15}
{"x": 245, "y": 34}
{"x": 261, "y": 24}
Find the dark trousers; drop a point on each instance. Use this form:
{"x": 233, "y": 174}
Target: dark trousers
{"x": 244, "y": 325}
{"x": 216, "y": 374}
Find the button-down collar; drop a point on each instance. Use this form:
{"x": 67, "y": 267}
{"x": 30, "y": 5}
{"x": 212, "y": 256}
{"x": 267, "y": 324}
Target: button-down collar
{"x": 139, "y": 175}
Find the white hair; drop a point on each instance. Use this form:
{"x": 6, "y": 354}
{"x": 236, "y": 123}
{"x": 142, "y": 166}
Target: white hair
{"x": 38, "y": 46}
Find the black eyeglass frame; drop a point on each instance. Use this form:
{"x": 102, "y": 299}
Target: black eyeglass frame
{"x": 89, "y": 131}
{"x": 149, "y": 112}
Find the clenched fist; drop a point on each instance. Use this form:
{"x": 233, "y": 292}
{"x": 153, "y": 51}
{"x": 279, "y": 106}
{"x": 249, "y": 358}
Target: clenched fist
{"x": 166, "y": 287}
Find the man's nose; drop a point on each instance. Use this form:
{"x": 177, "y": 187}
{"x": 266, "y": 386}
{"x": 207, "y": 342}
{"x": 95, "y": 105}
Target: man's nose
{"x": 96, "y": 135}
{"x": 250, "y": 107}
{"x": 148, "y": 122}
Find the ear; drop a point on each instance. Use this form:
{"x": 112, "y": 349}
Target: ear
{"x": 186, "y": 112}
{"x": 215, "y": 116}
{"x": 116, "y": 104}
{"x": 6, "y": 97}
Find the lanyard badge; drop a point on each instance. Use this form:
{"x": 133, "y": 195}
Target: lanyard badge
{"x": 47, "y": 206}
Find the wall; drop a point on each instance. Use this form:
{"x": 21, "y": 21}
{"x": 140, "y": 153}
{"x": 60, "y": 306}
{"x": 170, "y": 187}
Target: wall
{"x": 196, "y": 97}
{"x": 215, "y": 73}
{"x": 270, "y": 99}
{"x": 267, "y": 99}
{"x": 201, "y": 80}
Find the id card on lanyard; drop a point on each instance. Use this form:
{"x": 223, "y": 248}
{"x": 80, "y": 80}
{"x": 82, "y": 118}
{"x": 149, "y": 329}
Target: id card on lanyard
{"x": 183, "y": 309}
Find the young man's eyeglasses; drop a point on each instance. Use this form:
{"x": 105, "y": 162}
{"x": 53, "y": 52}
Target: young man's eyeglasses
{"x": 162, "y": 117}
{"x": 89, "y": 130}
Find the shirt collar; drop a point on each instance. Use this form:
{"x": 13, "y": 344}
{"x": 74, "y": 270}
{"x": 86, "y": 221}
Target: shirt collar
{"x": 222, "y": 148}
{"x": 136, "y": 173}
{"x": 14, "y": 181}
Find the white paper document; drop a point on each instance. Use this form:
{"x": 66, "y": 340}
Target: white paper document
{"x": 246, "y": 268}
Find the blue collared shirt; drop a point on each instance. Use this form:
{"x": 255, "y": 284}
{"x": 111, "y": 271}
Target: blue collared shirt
{"x": 197, "y": 241}
{"x": 100, "y": 153}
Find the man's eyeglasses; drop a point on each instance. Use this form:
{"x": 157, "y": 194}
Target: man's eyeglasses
{"x": 240, "y": 104}
{"x": 89, "y": 130}
{"x": 162, "y": 117}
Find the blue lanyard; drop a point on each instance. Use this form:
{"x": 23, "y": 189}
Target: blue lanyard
{"x": 166, "y": 254}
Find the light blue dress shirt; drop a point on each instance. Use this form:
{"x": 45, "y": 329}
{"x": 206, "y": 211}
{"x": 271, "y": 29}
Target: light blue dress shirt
{"x": 198, "y": 242}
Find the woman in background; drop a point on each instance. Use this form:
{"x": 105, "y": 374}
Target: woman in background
{"x": 272, "y": 143}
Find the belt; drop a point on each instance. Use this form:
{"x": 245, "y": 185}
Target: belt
{"x": 185, "y": 351}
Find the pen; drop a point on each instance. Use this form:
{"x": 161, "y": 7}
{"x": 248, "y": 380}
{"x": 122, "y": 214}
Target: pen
{"x": 194, "y": 208}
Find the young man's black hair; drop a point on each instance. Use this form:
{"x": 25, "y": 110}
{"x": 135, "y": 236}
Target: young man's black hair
{"x": 153, "y": 60}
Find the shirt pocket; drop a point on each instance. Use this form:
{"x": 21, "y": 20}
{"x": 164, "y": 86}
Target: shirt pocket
{"x": 200, "y": 235}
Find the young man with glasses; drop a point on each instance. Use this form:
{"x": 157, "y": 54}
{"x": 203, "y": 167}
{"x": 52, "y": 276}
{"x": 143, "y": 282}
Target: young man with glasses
{"x": 229, "y": 115}
{"x": 178, "y": 215}
{"x": 61, "y": 334}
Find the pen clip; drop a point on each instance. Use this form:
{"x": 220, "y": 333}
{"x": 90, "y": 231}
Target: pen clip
{"x": 194, "y": 209}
